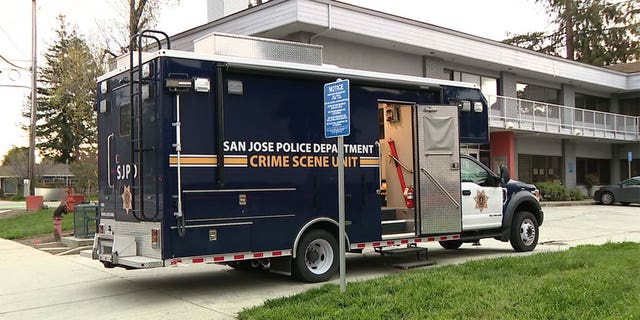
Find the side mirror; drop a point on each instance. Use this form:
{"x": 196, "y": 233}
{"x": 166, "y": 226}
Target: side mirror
{"x": 504, "y": 174}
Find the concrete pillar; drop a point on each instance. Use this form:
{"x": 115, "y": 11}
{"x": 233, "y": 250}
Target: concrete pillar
{"x": 614, "y": 104}
{"x": 567, "y": 95}
{"x": 508, "y": 85}
{"x": 616, "y": 152}
{"x": 567, "y": 98}
{"x": 433, "y": 68}
{"x": 569, "y": 159}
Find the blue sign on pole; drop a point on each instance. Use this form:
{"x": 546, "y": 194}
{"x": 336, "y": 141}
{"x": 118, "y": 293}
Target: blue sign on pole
{"x": 337, "y": 120}
{"x": 629, "y": 156}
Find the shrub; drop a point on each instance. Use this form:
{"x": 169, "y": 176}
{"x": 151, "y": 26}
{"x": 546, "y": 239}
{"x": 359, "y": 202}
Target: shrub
{"x": 553, "y": 191}
{"x": 575, "y": 195}
{"x": 17, "y": 197}
{"x": 589, "y": 181}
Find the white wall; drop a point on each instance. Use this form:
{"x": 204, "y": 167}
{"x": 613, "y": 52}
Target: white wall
{"x": 357, "y": 56}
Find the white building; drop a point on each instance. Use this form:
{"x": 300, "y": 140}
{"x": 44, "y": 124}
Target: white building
{"x": 550, "y": 120}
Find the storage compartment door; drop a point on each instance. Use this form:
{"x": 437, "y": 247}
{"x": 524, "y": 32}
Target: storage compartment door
{"x": 438, "y": 158}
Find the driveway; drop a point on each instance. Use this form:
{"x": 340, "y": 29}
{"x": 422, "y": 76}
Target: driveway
{"x": 38, "y": 285}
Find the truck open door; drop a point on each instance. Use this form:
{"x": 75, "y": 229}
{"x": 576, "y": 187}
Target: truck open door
{"x": 438, "y": 158}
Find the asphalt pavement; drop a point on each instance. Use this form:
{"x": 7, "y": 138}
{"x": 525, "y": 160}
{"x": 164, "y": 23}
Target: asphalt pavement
{"x": 37, "y": 285}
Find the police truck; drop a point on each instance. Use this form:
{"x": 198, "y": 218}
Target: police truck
{"x": 219, "y": 156}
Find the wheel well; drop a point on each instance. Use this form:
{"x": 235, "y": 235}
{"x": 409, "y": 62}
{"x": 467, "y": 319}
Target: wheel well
{"x": 327, "y": 225}
{"x": 531, "y": 207}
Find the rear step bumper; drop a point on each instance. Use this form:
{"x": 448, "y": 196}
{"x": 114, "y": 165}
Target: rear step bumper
{"x": 138, "y": 262}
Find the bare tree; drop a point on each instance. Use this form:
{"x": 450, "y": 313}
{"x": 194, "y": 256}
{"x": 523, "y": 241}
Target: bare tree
{"x": 132, "y": 16}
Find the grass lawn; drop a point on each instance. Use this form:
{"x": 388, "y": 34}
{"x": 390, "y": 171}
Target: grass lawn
{"x": 32, "y": 224}
{"x": 586, "y": 282}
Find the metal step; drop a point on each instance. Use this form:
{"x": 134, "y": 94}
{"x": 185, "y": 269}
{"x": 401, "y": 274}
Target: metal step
{"x": 392, "y": 213}
{"x": 394, "y": 226}
{"x": 420, "y": 252}
{"x": 404, "y": 251}
{"x": 392, "y": 236}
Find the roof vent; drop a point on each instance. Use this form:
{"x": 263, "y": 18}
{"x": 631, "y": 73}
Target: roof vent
{"x": 258, "y": 48}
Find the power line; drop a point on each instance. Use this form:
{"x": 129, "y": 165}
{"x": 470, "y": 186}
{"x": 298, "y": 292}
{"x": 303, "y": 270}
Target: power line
{"x": 13, "y": 65}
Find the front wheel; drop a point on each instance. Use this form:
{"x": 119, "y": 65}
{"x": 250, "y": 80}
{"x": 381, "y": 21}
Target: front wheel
{"x": 316, "y": 257}
{"x": 608, "y": 198}
{"x": 524, "y": 231}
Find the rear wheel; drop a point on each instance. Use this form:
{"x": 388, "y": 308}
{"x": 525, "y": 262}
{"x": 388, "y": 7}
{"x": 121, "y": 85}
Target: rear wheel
{"x": 451, "y": 244}
{"x": 316, "y": 257}
{"x": 608, "y": 198}
{"x": 524, "y": 231}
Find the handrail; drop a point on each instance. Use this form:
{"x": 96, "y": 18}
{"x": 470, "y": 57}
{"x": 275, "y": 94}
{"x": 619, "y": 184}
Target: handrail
{"x": 528, "y": 115}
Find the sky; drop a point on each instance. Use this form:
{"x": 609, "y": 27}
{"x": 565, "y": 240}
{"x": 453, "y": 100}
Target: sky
{"x": 491, "y": 19}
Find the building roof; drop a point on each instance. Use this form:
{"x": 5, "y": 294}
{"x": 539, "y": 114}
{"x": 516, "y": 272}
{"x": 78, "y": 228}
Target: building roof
{"x": 631, "y": 67}
{"x": 333, "y": 19}
{"x": 42, "y": 170}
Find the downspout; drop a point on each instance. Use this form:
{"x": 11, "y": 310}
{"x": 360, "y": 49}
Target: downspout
{"x": 424, "y": 66}
{"x": 329, "y": 25}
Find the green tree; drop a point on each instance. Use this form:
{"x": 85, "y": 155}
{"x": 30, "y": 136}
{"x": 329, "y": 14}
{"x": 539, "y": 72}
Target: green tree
{"x": 66, "y": 126}
{"x": 597, "y": 32}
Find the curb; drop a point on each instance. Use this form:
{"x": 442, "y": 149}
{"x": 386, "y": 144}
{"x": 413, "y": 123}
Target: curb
{"x": 567, "y": 203}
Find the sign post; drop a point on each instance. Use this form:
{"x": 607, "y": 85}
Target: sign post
{"x": 629, "y": 157}
{"x": 337, "y": 124}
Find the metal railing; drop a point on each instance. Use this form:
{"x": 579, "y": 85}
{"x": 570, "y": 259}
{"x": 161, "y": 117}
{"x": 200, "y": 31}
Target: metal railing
{"x": 518, "y": 114}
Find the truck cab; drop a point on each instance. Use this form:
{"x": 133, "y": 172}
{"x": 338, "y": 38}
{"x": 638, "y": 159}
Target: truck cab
{"x": 495, "y": 206}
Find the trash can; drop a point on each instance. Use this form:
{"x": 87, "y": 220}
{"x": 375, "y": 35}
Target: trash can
{"x": 84, "y": 220}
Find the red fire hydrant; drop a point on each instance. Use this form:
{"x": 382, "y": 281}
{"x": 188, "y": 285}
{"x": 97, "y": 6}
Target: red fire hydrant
{"x": 57, "y": 228}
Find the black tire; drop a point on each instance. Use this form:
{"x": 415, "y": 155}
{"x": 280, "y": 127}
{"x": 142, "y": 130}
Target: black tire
{"x": 316, "y": 257}
{"x": 524, "y": 231}
{"x": 451, "y": 244}
{"x": 607, "y": 198}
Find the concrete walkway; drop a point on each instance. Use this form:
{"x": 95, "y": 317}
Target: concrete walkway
{"x": 37, "y": 285}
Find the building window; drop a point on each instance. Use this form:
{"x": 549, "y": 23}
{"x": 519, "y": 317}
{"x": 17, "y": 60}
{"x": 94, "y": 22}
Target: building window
{"x": 630, "y": 107}
{"x": 534, "y": 168}
{"x": 584, "y": 101}
{"x": 537, "y": 93}
{"x": 597, "y": 169}
{"x": 488, "y": 85}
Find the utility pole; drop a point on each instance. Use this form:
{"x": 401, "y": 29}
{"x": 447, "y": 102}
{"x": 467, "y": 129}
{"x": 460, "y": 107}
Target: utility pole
{"x": 34, "y": 99}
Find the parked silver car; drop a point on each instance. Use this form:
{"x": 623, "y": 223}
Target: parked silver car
{"x": 625, "y": 192}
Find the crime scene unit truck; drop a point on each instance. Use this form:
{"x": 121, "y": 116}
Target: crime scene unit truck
{"x": 220, "y": 156}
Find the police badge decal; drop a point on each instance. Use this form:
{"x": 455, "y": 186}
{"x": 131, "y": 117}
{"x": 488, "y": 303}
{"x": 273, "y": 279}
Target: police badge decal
{"x": 481, "y": 200}
{"x": 126, "y": 199}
